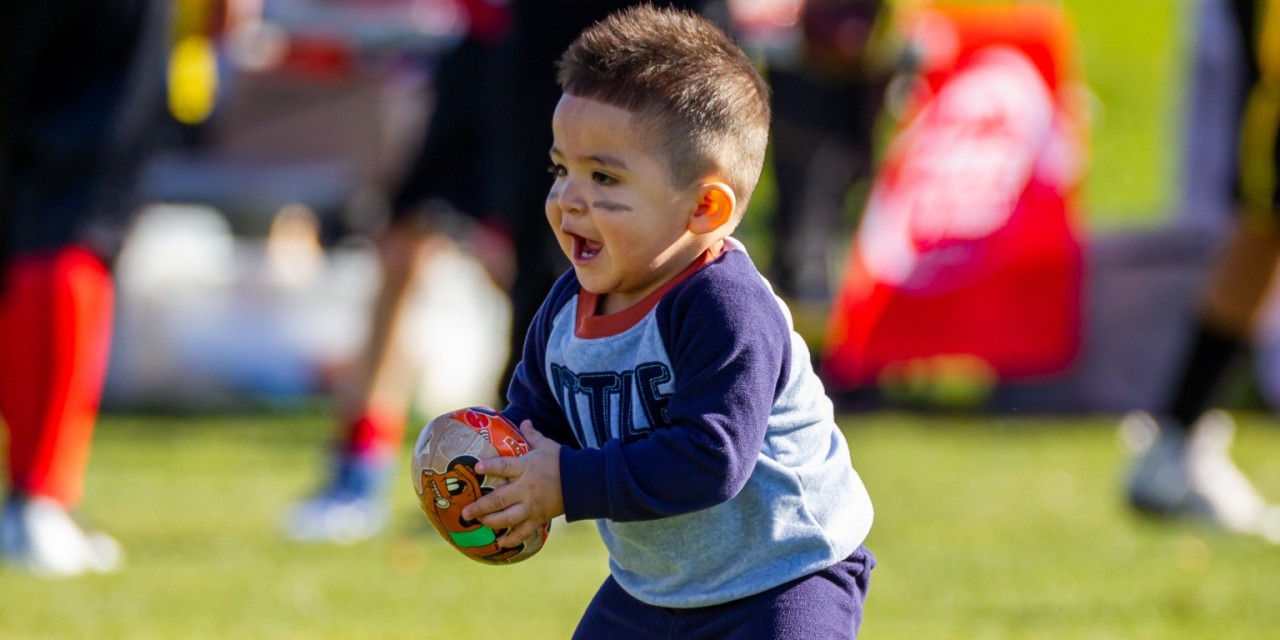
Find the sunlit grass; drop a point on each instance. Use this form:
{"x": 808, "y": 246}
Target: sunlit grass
{"x": 985, "y": 528}
{"x": 1004, "y": 528}
{"x": 1135, "y": 60}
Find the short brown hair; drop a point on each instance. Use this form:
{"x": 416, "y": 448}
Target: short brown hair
{"x": 683, "y": 77}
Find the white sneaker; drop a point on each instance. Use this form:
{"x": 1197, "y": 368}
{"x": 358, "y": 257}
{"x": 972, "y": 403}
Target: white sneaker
{"x": 350, "y": 509}
{"x": 37, "y": 535}
{"x": 1181, "y": 472}
{"x": 335, "y": 520}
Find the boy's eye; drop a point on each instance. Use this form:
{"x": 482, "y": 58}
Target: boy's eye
{"x": 603, "y": 178}
{"x": 557, "y": 170}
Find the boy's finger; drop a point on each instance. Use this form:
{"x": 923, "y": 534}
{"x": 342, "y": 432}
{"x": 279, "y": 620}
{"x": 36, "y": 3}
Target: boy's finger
{"x": 505, "y": 518}
{"x": 531, "y": 433}
{"x": 518, "y": 534}
{"x": 502, "y": 466}
{"x": 486, "y": 505}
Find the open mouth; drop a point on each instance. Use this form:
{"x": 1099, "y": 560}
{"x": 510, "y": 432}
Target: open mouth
{"x": 584, "y": 249}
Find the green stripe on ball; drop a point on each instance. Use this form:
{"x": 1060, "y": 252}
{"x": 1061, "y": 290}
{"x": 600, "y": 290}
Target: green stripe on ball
{"x": 478, "y": 538}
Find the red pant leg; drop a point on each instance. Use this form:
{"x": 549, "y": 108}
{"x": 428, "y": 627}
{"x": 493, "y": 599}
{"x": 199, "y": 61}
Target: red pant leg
{"x": 55, "y": 331}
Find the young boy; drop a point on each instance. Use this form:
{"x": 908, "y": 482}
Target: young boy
{"x": 661, "y": 386}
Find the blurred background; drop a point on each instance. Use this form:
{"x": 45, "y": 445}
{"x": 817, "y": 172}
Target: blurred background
{"x": 245, "y": 282}
{"x": 249, "y": 268}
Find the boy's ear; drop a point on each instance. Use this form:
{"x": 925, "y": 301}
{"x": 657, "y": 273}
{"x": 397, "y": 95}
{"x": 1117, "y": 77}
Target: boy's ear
{"x": 715, "y": 208}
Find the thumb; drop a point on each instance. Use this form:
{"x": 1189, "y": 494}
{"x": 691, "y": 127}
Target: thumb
{"x": 535, "y": 437}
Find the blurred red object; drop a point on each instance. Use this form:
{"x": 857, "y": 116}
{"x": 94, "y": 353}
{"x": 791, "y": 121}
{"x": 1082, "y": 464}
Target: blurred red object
{"x": 968, "y": 246}
{"x": 319, "y": 57}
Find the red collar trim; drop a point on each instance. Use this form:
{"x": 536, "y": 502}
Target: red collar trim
{"x": 589, "y": 325}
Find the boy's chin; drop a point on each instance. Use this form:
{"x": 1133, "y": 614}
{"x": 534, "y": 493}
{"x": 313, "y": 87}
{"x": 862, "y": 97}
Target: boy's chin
{"x": 593, "y": 285}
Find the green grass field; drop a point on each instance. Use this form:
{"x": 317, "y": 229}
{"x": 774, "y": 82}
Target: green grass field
{"x": 986, "y": 528}
{"x": 1133, "y": 54}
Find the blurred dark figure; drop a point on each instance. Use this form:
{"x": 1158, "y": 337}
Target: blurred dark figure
{"x": 80, "y": 97}
{"x": 825, "y": 106}
{"x": 1185, "y": 468}
{"x": 444, "y": 194}
{"x": 540, "y": 31}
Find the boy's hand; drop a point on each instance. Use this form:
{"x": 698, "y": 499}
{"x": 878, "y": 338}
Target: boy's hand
{"x": 532, "y": 495}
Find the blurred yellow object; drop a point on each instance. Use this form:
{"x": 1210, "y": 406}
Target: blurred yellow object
{"x": 193, "y": 79}
{"x": 1269, "y": 42}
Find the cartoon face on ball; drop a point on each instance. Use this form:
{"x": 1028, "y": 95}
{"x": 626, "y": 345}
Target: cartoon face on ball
{"x": 445, "y": 480}
{"x": 445, "y": 495}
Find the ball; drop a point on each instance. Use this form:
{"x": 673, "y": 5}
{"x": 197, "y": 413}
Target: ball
{"x": 445, "y": 479}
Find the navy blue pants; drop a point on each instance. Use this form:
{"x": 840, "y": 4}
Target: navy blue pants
{"x": 826, "y": 604}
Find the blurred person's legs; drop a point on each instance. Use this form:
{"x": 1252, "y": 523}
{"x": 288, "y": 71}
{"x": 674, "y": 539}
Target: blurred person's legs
{"x": 371, "y": 406}
{"x": 1184, "y": 465}
{"x": 442, "y": 189}
{"x": 55, "y": 328}
{"x": 81, "y": 95}
{"x": 822, "y": 146}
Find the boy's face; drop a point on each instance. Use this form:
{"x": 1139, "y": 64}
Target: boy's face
{"x": 613, "y": 207}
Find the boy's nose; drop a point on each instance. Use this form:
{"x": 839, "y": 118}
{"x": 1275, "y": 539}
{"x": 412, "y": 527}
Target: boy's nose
{"x": 570, "y": 198}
